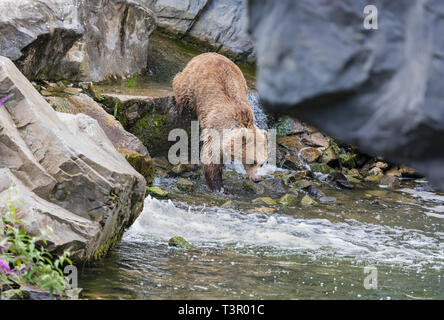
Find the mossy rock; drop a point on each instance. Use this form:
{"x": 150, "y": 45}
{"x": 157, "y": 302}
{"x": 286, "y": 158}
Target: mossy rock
{"x": 161, "y": 162}
{"x": 185, "y": 185}
{"x": 253, "y": 187}
{"x": 265, "y": 200}
{"x": 310, "y": 155}
{"x": 12, "y": 294}
{"x": 374, "y": 179}
{"x": 330, "y": 157}
{"x": 308, "y": 201}
{"x": 228, "y": 205}
{"x": 180, "y": 168}
{"x": 322, "y": 168}
{"x": 274, "y": 185}
{"x": 142, "y": 164}
{"x": 179, "y": 243}
{"x": 104, "y": 248}
{"x": 288, "y": 126}
{"x": 288, "y": 200}
{"x": 348, "y": 160}
{"x": 289, "y": 179}
{"x": 301, "y": 184}
{"x": 352, "y": 179}
{"x": 156, "y": 192}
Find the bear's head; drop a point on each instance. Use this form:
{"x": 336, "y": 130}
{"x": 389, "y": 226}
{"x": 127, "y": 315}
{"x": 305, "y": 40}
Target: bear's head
{"x": 249, "y": 146}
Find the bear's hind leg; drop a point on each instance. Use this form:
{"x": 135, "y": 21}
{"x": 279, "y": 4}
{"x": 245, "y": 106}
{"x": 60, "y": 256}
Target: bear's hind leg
{"x": 213, "y": 176}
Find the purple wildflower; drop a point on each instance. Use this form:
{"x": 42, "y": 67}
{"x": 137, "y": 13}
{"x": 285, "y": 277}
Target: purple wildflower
{"x": 4, "y": 99}
{"x": 4, "y": 267}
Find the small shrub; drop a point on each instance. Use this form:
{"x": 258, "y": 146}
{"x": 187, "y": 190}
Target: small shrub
{"x": 23, "y": 258}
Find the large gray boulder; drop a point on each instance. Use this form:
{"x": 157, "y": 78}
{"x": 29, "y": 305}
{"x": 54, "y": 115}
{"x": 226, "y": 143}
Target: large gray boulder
{"x": 218, "y": 24}
{"x": 75, "y": 40}
{"x": 378, "y": 89}
{"x": 67, "y": 170}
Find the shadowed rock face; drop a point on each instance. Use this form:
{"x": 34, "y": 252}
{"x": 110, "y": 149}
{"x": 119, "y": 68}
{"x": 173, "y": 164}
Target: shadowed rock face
{"x": 218, "y": 24}
{"x": 76, "y": 40}
{"x": 68, "y": 172}
{"x": 378, "y": 89}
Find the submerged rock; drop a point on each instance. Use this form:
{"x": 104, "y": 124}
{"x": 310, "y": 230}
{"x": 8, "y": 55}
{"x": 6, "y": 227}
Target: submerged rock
{"x": 288, "y": 200}
{"x": 265, "y": 200}
{"x": 308, "y": 201}
{"x": 156, "y": 191}
{"x": 228, "y": 204}
{"x": 374, "y": 179}
{"x": 390, "y": 181}
{"x": 274, "y": 185}
{"x": 68, "y": 172}
{"x": 185, "y": 185}
{"x": 327, "y": 200}
{"x": 179, "y": 243}
{"x": 253, "y": 187}
{"x": 314, "y": 191}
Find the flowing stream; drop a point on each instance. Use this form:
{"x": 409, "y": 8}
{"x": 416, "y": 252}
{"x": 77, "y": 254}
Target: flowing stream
{"x": 321, "y": 252}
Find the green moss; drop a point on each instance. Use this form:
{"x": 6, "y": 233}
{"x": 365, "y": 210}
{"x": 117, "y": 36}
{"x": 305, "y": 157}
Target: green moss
{"x": 308, "y": 201}
{"x": 348, "y": 160}
{"x": 151, "y": 129}
{"x": 143, "y": 165}
{"x": 287, "y": 200}
{"x": 265, "y": 200}
{"x": 185, "y": 185}
{"x": 228, "y": 204}
{"x": 132, "y": 82}
{"x": 156, "y": 192}
{"x": 179, "y": 243}
{"x": 321, "y": 167}
{"x": 103, "y": 249}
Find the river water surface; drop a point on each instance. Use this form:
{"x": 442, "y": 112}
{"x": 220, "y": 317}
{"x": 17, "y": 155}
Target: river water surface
{"x": 295, "y": 253}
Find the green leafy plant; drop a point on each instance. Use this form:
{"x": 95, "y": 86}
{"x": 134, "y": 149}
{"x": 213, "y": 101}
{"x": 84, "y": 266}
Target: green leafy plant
{"x": 23, "y": 258}
{"x": 132, "y": 82}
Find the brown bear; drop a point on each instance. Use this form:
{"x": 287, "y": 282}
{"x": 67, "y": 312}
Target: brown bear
{"x": 216, "y": 89}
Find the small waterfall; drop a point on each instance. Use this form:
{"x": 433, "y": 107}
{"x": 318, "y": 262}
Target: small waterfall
{"x": 260, "y": 118}
{"x": 305, "y": 164}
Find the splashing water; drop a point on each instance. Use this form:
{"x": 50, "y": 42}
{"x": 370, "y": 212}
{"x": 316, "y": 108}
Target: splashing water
{"x": 260, "y": 118}
{"x": 214, "y": 226}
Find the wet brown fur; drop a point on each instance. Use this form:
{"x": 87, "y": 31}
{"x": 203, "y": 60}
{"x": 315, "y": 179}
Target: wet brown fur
{"x": 216, "y": 88}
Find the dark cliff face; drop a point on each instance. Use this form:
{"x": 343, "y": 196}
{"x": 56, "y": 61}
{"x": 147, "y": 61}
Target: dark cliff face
{"x": 379, "y": 89}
